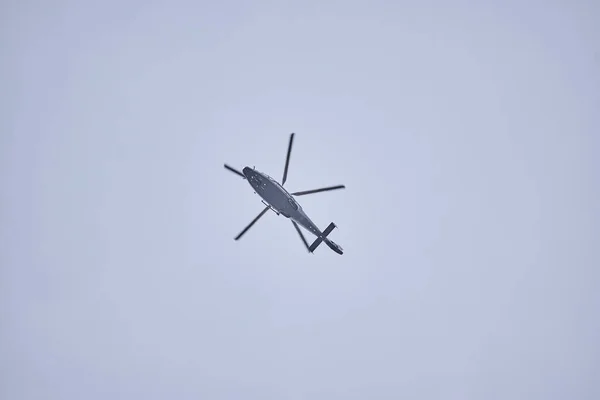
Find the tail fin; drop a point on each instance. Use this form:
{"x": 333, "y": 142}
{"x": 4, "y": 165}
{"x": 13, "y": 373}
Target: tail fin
{"x": 332, "y": 245}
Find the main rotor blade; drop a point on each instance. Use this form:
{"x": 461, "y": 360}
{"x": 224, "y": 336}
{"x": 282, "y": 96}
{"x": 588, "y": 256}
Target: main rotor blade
{"x": 235, "y": 171}
{"x": 325, "y": 189}
{"x": 301, "y": 235}
{"x": 252, "y": 223}
{"x": 287, "y": 160}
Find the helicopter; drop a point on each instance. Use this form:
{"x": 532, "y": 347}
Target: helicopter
{"x": 281, "y": 202}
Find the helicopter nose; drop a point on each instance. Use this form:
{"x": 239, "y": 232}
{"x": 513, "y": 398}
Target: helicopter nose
{"x": 247, "y": 171}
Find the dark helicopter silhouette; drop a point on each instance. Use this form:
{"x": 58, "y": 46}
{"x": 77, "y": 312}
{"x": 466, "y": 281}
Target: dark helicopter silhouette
{"x": 282, "y": 202}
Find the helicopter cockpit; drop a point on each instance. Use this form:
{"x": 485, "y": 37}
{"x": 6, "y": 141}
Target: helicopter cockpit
{"x": 257, "y": 182}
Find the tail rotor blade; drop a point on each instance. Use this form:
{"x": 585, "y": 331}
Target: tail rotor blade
{"x": 325, "y": 189}
{"x": 287, "y": 160}
{"x": 252, "y": 223}
{"x": 235, "y": 171}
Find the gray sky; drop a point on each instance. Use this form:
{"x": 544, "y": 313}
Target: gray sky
{"x": 467, "y": 136}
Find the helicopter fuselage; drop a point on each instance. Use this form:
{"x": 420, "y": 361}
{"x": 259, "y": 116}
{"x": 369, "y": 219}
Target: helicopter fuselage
{"x": 279, "y": 199}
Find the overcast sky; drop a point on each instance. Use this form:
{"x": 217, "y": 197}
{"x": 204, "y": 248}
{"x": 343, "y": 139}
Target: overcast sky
{"x": 467, "y": 136}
